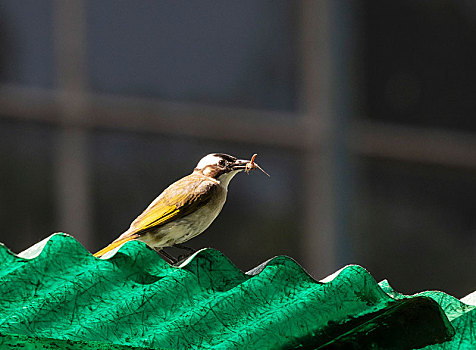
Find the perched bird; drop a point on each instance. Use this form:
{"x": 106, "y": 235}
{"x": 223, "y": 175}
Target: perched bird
{"x": 187, "y": 207}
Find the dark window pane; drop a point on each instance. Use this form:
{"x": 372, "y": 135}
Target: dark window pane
{"x": 257, "y": 222}
{"x": 415, "y": 225}
{"x": 27, "y": 210}
{"x": 26, "y": 42}
{"x": 420, "y": 62}
{"x": 230, "y": 52}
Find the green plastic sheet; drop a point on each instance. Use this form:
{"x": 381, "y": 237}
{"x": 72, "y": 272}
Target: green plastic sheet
{"x": 36, "y": 343}
{"x": 57, "y": 291}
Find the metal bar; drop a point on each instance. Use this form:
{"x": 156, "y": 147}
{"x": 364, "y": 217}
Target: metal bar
{"x": 72, "y": 171}
{"x": 422, "y": 145}
{"x": 29, "y": 104}
{"x": 366, "y": 138}
{"x": 209, "y": 122}
{"x": 151, "y": 115}
{"x": 319, "y": 241}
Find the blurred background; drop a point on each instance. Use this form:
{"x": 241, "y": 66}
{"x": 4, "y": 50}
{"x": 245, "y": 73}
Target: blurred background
{"x": 363, "y": 112}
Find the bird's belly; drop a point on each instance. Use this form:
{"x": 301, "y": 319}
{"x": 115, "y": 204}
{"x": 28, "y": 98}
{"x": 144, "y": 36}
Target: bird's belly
{"x": 183, "y": 229}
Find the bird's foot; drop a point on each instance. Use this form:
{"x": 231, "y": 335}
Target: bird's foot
{"x": 167, "y": 257}
{"x": 181, "y": 246}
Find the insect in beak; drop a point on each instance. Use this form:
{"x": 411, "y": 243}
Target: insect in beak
{"x": 252, "y": 165}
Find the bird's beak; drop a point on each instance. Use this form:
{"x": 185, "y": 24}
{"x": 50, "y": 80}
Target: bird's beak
{"x": 240, "y": 164}
{"x": 247, "y": 165}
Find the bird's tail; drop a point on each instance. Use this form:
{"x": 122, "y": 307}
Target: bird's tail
{"x": 115, "y": 244}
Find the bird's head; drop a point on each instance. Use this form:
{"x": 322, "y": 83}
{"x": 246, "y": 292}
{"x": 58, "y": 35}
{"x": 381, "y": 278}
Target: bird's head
{"x": 221, "y": 167}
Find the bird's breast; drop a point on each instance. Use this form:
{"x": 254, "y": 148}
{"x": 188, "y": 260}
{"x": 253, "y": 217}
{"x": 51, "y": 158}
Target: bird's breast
{"x": 187, "y": 227}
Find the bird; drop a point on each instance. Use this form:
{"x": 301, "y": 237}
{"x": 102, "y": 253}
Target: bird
{"x": 187, "y": 207}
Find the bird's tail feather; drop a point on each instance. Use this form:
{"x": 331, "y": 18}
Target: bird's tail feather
{"x": 114, "y": 244}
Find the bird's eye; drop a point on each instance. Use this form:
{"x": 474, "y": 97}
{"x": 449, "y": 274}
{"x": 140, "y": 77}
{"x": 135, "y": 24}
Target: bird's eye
{"x": 221, "y": 163}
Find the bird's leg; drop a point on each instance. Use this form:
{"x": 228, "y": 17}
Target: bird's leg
{"x": 188, "y": 249}
{"x": 181, "y": 246}
{"x": 167, "y": 257}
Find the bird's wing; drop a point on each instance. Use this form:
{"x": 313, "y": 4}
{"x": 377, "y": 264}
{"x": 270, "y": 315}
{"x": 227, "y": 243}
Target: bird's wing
{"x": 178, "y": 200}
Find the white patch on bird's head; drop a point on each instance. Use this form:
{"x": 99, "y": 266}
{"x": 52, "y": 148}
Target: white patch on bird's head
{"x": 210, "y": 159}
{"x": 219, "y": 166}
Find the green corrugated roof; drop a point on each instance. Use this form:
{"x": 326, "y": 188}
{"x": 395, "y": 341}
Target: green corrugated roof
{"x": 58, "y": 293}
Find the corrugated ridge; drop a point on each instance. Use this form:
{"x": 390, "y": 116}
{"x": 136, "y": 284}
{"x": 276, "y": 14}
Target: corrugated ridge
{"x": 135, "y": 298}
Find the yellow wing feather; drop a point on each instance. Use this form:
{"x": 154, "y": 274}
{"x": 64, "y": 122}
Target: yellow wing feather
{"x": 113, "y": 245}
{"x": 178, "y": 200}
